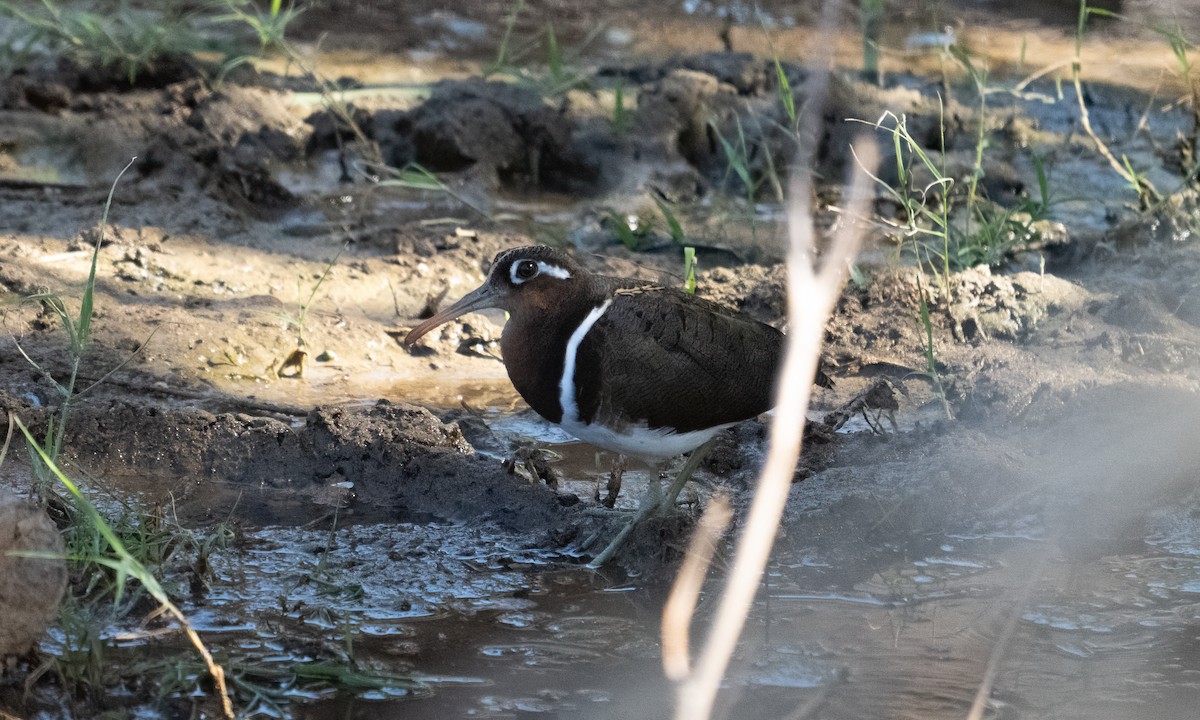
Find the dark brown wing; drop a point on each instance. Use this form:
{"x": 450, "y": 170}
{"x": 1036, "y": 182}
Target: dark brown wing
{"x": 671, "y": 360}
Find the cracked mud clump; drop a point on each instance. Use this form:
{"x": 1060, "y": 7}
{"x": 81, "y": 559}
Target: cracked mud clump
{"x": 30, "y": 588}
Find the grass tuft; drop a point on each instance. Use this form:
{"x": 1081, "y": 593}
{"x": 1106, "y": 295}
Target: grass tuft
{"x": 78, "y": 327}
{"x": 415, "y": 176}
{"x": 561, "y": 73}
{"x": 126, "y": 566}
{"x": 130, "y": 40}
{"x": 269, "y": 24}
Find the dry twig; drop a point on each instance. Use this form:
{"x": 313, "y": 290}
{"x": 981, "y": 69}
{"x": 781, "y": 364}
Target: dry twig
{"x": 984, "y": 693}
{"x": 811, "y": 297}
{"x": 677, "y": 613}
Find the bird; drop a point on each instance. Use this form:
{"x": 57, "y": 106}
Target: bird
{"x": 642, "y": 369}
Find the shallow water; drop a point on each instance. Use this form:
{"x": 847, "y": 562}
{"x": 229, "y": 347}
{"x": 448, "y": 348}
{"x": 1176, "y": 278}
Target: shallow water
{"x": 493, "y": 628}
{"x": 855, "y": 618}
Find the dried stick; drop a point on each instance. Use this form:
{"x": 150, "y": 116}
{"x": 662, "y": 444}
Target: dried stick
{"x": 677, "y": 613}
{"x": 811, "y": 297}
{"x": 1146, "y": 191}
{"x": 984, "y": 692}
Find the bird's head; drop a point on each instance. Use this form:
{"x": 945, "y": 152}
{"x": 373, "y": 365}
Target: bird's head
{"x": 528, "y": 279}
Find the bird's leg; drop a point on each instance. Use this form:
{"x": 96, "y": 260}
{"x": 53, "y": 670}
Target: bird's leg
{"x": 650, "y": 505}
{"x": 654, "y": 489}
{"x": 685, "y": 474}
{"x": 613, "y": 489}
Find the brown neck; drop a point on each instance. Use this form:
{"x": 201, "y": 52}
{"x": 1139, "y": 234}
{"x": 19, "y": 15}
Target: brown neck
{"x": 534, "y": 345}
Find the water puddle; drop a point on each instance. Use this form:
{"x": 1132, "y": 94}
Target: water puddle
{"x": 31, "y": 161}
{"x": 478, "y": 625}
{"x": 447, "y": 619}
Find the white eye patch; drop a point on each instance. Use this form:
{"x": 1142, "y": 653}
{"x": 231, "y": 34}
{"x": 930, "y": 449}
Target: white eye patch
{"x": 546, "y": 268}
{"x": 543, "y": 268}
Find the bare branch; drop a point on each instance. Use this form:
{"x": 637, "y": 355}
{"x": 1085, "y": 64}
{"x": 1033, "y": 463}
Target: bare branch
{"x": 811, "y": 297}
{"x": 681, "y": 604}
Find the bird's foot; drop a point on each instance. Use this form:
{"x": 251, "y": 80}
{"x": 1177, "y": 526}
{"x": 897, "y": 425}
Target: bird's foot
{"x": 613, "y": 488}
{"x": 533, "y": 464}
{"x": 667, "y": 502}
{"x": 661, "y": 504}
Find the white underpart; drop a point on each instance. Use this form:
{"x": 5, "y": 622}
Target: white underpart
{"x": 649, "y": 444}
{"x": 544, "y": 268}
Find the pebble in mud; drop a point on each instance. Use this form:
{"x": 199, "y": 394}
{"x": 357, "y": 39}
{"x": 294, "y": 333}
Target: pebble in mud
{"x": 30, "y": 588}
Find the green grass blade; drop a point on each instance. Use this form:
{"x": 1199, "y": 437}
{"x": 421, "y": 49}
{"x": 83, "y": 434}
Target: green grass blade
{"x": 783, "y": 88}
{"x": 349, "y": 677}
{"x": 673, "y": 225}
{"x": 414, "y": 177}
{"x": 735, "y": 159}
{"x": 625, "y": 233}
{"x": 689, "y": 270}
{"x": 83, "y": 327}
{"x": 555, "y": 56}
{"x": 84, "y": 504}
{"x": 503, "y": 59}
{"x": 620, "y": 121}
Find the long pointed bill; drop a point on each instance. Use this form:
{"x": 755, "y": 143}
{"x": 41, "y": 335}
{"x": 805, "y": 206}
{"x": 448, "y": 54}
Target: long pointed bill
{"x": 481, "y": 298}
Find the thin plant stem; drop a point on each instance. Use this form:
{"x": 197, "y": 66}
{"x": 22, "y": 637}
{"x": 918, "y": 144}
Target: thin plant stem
{"x": 1001, "y": 647}
{"x": 1145, "y": 189}
{"x": 7, "y": 438}
{"x": 811, "y": 297}
{"x": 83, "y": 328}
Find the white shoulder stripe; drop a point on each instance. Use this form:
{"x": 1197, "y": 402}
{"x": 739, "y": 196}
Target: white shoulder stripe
{"x": 566, "y": 386}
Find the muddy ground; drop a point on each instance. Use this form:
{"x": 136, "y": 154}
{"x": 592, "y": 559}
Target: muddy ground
{"x": 1069, "y": 371}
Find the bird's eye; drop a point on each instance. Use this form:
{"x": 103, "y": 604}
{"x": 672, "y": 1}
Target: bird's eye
{"x": 526, "y": 269}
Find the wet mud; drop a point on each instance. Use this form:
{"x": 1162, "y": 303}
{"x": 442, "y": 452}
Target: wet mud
{"x": 1035, "y": 456}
